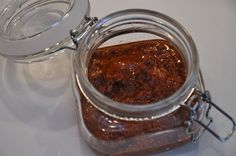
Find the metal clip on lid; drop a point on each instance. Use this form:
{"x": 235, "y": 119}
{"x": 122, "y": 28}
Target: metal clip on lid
{"x": 207, "y": 98}
{"x": 204, "y": 99}
{"x": 78, "y": 34}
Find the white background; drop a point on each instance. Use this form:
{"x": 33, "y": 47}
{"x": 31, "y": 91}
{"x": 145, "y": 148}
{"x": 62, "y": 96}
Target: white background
{"x": 39, "y": 119}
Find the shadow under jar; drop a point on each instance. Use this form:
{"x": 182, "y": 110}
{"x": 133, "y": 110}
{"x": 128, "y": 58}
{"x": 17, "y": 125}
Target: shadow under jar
{"x": 138, "y": 85}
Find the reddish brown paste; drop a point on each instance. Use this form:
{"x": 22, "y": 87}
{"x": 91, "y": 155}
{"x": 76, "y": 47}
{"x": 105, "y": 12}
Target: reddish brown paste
{"x": 136, "y": 73}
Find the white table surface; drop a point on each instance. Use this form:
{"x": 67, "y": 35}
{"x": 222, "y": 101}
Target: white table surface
{"x": 39, "y": 119}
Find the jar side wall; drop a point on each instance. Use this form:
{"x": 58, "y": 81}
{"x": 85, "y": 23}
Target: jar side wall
{"x": 145, "y": 143}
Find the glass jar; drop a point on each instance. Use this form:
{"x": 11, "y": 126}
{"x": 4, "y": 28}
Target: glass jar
{"x": 114, "y": 128}
{"x": 27, "y": 31}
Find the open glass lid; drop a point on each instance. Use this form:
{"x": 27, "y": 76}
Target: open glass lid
{"x": 31, "y": 30}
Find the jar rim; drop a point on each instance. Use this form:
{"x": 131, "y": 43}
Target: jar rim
{"x": 123, "y": 110}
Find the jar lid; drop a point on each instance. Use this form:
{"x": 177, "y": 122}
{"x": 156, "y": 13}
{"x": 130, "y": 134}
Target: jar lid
{"x": 28, "y": 27}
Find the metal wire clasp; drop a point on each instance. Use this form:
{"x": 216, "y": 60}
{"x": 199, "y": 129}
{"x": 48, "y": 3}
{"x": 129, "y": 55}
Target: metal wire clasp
{"x": 205, "y": 98}
{"x": 78, "y": 34}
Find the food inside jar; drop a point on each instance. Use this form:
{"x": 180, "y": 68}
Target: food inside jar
{"x": 137, "y": 73}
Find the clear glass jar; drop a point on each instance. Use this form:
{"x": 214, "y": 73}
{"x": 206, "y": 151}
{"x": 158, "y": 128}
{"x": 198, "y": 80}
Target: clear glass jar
{"x": 113, "y": 128}
{"x": 27, "y": 35}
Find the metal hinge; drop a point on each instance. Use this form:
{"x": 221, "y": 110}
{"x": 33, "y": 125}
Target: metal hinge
{"x": 78, "y": 34}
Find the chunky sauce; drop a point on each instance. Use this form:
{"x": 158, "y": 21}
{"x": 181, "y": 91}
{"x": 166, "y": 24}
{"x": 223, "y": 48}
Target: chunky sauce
{"x": 136, "y": 73}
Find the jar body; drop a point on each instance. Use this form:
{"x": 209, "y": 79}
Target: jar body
{"x": 111, "y": 136}
{"x": 112, "y": 129}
